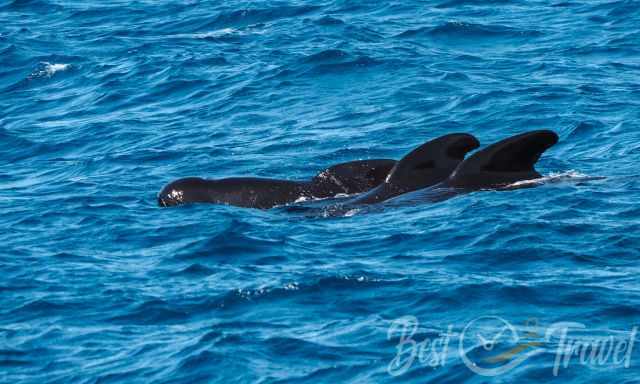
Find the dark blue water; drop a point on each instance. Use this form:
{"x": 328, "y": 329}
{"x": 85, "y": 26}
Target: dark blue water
{"x": 102, "y": 103}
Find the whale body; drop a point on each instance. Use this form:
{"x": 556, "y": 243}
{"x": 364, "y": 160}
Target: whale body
{"x": 437, "y": 170}
{"x": 253, "y": 192}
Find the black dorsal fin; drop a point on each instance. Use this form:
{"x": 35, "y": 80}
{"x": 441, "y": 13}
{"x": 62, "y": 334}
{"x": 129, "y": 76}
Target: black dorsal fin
{"x": 431, "y": 159}
{"x": 506, "y": 161}
{"x": 427, "y": 165}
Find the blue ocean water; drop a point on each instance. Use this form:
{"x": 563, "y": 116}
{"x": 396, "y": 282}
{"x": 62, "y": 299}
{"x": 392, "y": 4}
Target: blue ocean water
{"x": 102, "y": 103}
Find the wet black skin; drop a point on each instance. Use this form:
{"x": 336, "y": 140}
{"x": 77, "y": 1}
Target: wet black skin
{"x": 497, "y": 166}
{"x": 427, "y": 165}
{"x": 252, "y": 192}
{"x": 437, "y": 168}
{"x": 503, "y": 163}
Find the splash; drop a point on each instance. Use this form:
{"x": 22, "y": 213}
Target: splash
{"x": 219, "y": 33}
{"x": 554, "y": 177}
{"x": 46, "y": 69}
{"x": 213, "y": 34}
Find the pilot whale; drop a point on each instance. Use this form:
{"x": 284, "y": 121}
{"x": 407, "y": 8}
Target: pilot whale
{"x": 252, "y": 192}
{"x": 437, "y": 170}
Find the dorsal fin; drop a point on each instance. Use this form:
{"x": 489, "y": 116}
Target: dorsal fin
{"x": 427, "y": 165}
{"x": 429, "y": 160}
{"x": 506, "y": 161}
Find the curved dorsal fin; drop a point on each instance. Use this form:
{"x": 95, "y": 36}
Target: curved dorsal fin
{"x": 506, "y": 161}
{"x": 427, "y": 165}
{"x": 427, "y": 162}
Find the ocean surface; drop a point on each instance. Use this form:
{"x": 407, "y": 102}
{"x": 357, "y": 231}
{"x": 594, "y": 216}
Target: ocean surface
{"x": 102, "y": 103}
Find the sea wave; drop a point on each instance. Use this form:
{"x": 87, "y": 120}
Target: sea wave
{"x": 102, "y": 104}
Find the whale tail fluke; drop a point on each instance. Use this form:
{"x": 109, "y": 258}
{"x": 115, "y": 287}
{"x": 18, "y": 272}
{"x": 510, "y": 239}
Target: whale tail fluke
{"x": 504, "y": 162}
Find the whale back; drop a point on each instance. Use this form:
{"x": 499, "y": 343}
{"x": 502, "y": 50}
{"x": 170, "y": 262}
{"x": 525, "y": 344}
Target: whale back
{"x": 249, "y": 192}
{"x": 351, "y": 178}
{"x": 504, "y": 162}
{"x": 253, "y": 192}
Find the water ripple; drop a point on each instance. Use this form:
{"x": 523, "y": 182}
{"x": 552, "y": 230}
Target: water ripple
{"x": 102, "y": 104}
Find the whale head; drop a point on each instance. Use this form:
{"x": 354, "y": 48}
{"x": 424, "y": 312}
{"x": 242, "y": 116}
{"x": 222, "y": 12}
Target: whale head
{"x": 186, "y": 190}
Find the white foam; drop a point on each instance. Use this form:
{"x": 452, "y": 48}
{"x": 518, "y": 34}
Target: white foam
{"x": 218, "y": 33}
{"x": 555, "y": 177}
{"x": 48, "y": 69}
{"x": 302, "y": 199}
{"x": 351, "y": 212}
{"x": 211, "y": 34}
{"x": 291, "y": 287}
{"x": 224, "y": 32}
